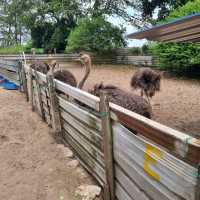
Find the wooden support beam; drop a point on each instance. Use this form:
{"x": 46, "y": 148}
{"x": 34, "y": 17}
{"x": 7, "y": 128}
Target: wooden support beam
{"x": 56, "y": 121}
{"x": 19, "y": 72}
{"x": 31, "y": 88}
{"x": 24, "y": 81}
{"x": 38, "y": 89}
{"x": 109, "y": 189}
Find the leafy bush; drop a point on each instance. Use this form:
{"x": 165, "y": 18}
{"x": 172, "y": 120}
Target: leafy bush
{"x": 178, "y": 57}
{"x": 135, "y": 51}
{"x": 96, "y": 35}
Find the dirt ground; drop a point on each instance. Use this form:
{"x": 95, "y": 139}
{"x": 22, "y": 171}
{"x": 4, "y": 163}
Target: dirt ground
{"x": 33, "y": 166}
{"x": 177, "y": 105}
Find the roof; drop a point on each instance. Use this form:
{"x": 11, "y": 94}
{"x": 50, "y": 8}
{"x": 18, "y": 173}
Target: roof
{"x": 186, "y": 29}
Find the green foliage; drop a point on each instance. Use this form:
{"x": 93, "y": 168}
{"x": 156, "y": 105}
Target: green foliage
{"x": 139, "y": 51}
{"x": 177, "y": 58}
{"x": 18, "y": 49}
{"x": 12, "y": 50}
{"x": 192, "y": 7}
{"x": 96, "y": 35}
{"x": 180, "y": 58}
{"x": 147, "y": 9}
{"x": 135, "y": 51}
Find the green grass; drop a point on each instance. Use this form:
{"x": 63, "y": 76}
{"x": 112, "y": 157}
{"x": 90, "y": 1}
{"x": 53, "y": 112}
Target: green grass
{"x": 19, "y": 49}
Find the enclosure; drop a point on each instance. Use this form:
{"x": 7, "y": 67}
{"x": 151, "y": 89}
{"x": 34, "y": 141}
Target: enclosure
{"x": 157, "y": 163}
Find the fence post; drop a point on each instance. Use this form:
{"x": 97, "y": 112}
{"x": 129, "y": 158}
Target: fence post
{"x": 56, "y": 122}
{"x": 31, "y": 88}
{"x": 19, "y": 72}
{"x": 24, "y": 80}
{"x": 109, "y": 188}
{"x": 38, "y": 89}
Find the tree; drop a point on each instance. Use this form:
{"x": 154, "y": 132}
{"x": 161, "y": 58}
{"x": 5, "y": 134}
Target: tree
{"x": 96, "y": 35}
{"x": 11, "y": 21}
{"x": 51, "y": 22}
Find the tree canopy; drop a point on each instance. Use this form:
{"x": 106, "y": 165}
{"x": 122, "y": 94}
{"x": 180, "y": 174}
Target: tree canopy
{"x": 49, "y": 22}
{"x": 96, "y": 35}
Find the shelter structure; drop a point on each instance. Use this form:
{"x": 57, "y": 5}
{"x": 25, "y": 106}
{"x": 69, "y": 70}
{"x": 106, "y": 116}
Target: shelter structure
{"x": 186, "y": 29}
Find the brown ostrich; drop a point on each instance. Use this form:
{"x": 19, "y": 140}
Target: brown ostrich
{"x": 42, "y": 67}
{"x": 147, "y": 80}
{"x": 125, "y": 99}
{"x": 68, "y": 78}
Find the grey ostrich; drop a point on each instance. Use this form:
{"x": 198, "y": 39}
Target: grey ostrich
{"x": 116, "y": 95}
{"x": 68, "y": 78}
{"x": 147, "y": 80}
{"x": 42, "y": 67}
{"x": 125, "y": 99}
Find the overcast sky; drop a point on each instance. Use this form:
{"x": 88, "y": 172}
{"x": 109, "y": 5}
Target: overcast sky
{"x": 129, "y": 29}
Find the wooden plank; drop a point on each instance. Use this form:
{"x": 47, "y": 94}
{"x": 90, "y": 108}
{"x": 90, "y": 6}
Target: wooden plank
{"x": 180, "y": 34}
{"x": 9, "y": 65}
{"x": 56, "y": 122}
{"x": 24, "y": 81}
{"x": 109, "y": 188}
{"x": 179, "y": 144}
{"x": 38, "y": 91}
{"x": 30, "y": 79}
{"x": 46, "y": 109}
{"x": 129, "y": 186}
{"x": 82, "y": 115}
{"x": 84, "y": 144}
{"x": 95, "y": 169}
{"x": 172, "y": 174}
{"x": 92, "y": 135}
{"x": 45, "y": 101}
{"x": 45, "y": 92}
{"x": 84, "y": 97}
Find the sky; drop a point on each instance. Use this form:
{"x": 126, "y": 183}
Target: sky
{"x": 129, "y": 29}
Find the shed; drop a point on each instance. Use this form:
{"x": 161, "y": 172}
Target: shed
{"x": 186, "y": 29}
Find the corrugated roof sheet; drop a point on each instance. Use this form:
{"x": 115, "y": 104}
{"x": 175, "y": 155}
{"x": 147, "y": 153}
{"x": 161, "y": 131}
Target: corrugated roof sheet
{"x": 186, "y": 29}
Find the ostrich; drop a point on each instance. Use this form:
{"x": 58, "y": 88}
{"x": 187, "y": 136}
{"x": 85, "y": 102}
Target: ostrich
{"x": 147, "y": 80}
{"x": 116, "y": 95}
{"x": 125, "y": 99}
{"x": 68, "y": 78}
{"x": 42, "y": 67}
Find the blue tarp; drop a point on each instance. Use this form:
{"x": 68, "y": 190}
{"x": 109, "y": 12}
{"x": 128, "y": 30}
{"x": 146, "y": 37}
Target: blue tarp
{"x": 7, "y": 84}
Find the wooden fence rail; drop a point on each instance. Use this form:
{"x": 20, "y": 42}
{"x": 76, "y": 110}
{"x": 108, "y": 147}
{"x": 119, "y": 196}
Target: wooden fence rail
{"x": 157, "y": 163}
{"x": 63, "y": 58}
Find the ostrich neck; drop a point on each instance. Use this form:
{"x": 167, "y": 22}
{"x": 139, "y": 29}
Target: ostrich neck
{"x": 85, "y": 77}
